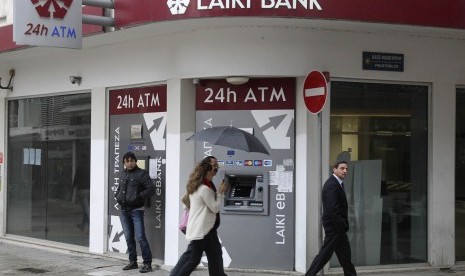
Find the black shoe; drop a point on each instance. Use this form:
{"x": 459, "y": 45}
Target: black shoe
{"x": 145, "y": 268}
{"x": 131, "y": 265}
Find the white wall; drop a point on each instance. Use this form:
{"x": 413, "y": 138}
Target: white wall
{"x": 199, "y": 48}
{"x": 441, "y": 188}
{"x": 180, "y": 159}
{"x": 6, "y": 12}
{"x": 256, "y": 50}
{"x": 98, "y": 223}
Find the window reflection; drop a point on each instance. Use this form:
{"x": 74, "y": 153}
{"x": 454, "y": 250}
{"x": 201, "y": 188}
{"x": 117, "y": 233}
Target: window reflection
{"x": 48, "y": 168}
{"x": 382, "y": 130}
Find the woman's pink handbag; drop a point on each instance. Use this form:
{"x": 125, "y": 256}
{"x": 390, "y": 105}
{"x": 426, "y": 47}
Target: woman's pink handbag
{"x": 184, "y": 219}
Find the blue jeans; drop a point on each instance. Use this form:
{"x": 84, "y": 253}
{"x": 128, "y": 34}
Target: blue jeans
{"x": 133, "y": 223}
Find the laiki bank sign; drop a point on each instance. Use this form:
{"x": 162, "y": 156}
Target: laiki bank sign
{"x": 403, "y": 12}
{"x": 180, "y": 6}
{"x": 56, "y": 23}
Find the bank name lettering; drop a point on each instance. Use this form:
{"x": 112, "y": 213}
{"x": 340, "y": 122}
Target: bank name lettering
{"x": 158, "y": 192}
{"x": 264, "y": 4}
{"x": 280, "y": 219}
{"x": 116, "y": 162}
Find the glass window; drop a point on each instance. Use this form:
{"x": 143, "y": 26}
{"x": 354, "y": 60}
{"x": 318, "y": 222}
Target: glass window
{"x": 48, "y": 168}
{"x": 459, "y": 168}
{"x": 381, "y": 129}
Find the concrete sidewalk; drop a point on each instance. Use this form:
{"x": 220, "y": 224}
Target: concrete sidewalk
{"x": 23, "y": 259}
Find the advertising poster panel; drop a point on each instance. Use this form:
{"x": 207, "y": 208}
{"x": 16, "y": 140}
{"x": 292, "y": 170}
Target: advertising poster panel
{"x": 257, "y": 219}
{"x": 138, "y": 124}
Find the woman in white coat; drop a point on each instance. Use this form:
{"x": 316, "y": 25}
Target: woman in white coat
{"x": 202, "y": 226}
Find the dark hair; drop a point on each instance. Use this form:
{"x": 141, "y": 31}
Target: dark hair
{"x": 208, "y": 159}
{"x": 129, "y": 155}
{"x": 336, "y": 165}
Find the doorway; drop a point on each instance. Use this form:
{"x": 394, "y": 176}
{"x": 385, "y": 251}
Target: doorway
{"x": 382, "y": 130}
{"x": 48, "y": 142}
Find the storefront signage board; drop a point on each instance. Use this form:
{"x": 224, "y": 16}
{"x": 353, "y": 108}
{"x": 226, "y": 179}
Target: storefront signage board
{"x": 383, "y": 61}
{"x": 138, "y": 124}
{"x": 266, "y": 108}
{"x": 413, "y": 12}
{"x": 48, "y": 23}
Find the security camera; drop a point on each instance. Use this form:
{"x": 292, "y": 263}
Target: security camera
{"x": 201, "y": 82}
{"x": 75, "y": 79}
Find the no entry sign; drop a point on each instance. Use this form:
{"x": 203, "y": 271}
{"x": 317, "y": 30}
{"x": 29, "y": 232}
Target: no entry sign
{"x": 315, "y": 91}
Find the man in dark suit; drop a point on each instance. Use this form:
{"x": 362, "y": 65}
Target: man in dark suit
{"x": 336, "y": 224}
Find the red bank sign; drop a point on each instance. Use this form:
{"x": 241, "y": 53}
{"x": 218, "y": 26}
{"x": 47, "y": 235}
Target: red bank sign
{"x": 412, "y": 12}
{"x": 138, "y": 100}
{"x": 256, "y": 94}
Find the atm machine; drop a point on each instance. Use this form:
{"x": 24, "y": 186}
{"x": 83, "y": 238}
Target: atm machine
{"x": 247, "y": 194}
{"x": 258, "y": 213}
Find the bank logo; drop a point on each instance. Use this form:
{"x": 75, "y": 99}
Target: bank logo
{"x": 267, "y": 163}
{"x": 56, "y": 9}
{"x": 178, "y": 6}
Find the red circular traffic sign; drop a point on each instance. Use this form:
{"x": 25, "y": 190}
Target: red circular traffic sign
{"x": 315, "y": 91}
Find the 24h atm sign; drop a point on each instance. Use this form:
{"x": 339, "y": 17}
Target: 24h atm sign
{"x": 56, "y": 23}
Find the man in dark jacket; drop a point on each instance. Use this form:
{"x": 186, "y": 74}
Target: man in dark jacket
{"x": 336, "y": 224}
{"x": 134, "y": 188}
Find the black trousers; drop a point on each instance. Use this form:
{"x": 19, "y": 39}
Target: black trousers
{"x": 190, "y": 259}
{"x": 333, "y": 243}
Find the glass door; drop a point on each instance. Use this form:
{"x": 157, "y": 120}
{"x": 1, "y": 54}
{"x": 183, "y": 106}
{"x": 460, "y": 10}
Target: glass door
{"x": 382, "y": 130}
{"x": 48, "y": 168}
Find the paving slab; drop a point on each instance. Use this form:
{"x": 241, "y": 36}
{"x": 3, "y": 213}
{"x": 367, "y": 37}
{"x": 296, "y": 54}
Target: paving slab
{"x": 24, "y": 259}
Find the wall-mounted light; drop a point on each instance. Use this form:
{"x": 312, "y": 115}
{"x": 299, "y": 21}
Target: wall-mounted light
{"x": 237, "y": 80}
{"x": 75, "y": 79}
{"x": 9, "y": 86}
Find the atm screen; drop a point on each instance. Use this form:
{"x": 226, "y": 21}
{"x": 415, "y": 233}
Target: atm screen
{"x": 242, "y": 191}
